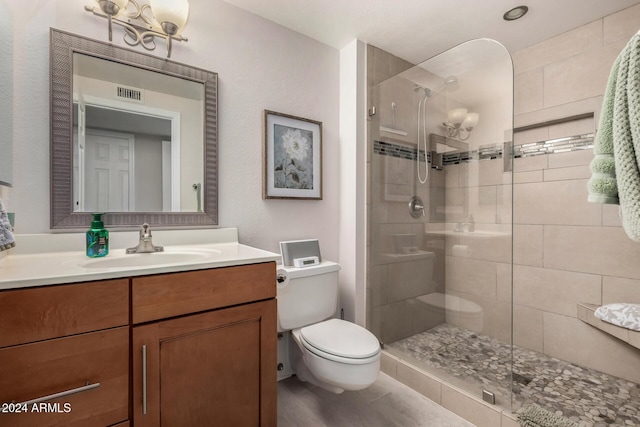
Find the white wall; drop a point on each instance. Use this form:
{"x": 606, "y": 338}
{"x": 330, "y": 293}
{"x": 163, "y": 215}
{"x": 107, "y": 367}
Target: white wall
{"x": 148, "y": 172}
{"x": 353, "y": 159}
{"x": 261, "y": 66}
{"x": 6, "y": 89}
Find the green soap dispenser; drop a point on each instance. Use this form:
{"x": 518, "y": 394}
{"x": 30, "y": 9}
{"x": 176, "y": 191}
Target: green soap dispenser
{"x": 97, "y": 238}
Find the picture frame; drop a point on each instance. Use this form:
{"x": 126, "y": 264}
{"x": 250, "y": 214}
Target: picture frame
{"x": 292, "y": 157}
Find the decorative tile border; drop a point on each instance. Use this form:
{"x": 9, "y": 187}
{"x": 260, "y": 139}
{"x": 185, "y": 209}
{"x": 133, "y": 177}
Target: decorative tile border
{"x": 397, "y": 150}
{"x": 491, "y": 151}
{"x": 552, "y": 146}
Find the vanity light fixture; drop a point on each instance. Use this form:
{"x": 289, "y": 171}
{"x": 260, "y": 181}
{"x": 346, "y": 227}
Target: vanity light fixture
{"x": 168, "y": 18}
{"x": 460, "y": 123}
{"x": 515, "y": 13}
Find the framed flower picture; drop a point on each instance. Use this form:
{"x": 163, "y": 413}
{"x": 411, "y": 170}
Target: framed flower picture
{"x": 292, "y": 157}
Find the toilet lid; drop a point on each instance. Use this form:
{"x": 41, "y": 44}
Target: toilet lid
{"x": 341, "y": 338}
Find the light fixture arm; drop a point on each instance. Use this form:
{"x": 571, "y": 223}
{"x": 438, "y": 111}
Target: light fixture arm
{"x": 110, "y": 19}
{"x": 460, "y": 123}
{"x": 139, "y": 29}
{"x": 462, "y": 136}
{"x": 456, "y": 131}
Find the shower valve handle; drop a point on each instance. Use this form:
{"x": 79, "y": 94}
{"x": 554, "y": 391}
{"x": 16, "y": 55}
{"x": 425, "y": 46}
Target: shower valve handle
{"x": 416, "y": 207}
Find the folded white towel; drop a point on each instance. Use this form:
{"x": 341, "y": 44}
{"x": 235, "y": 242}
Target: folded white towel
{"x": 6, "y": 235}
{"x": 620, "y": 314}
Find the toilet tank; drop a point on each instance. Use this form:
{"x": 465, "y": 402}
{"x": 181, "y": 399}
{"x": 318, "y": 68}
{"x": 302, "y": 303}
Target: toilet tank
{"x": 307, "y": 295}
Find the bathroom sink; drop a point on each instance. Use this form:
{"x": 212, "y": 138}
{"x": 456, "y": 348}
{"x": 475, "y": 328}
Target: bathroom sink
{"x": 152, "y": 259}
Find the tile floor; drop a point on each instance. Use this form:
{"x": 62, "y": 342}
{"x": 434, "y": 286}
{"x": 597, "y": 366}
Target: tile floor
{"x": 387, "y": 403}
{"x": 589, "y": 397}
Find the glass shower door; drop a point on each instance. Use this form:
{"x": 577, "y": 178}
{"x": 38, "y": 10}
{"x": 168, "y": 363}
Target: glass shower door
{"x": 440, "y": 223}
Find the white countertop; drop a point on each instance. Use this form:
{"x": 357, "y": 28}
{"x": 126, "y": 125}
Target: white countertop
{"x": 47, "y": 259}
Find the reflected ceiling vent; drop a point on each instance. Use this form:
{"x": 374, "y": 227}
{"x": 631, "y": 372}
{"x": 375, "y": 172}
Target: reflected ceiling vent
{"x": 130, "y": 94}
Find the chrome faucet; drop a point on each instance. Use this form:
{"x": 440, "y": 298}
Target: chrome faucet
{"x": 145, "y": 245}
{"x": 469, "y": 225}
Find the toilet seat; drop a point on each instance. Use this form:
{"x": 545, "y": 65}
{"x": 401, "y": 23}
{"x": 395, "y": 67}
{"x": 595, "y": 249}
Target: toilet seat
{"x": 340, "y": 341}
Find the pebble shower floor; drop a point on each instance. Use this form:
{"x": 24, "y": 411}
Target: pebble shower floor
{"x": 586, "y": 396}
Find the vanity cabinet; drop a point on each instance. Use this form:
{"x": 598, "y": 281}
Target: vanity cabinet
{"x": 193, "y": 348}
{"x": 204, "y": 347}
{"x": 65, "y": 340}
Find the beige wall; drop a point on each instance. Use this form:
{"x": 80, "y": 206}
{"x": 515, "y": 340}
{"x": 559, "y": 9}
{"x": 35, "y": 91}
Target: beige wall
{"x": 567, "y": 250}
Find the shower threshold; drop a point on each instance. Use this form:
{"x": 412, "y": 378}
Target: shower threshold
{"x": 586, "y": 396}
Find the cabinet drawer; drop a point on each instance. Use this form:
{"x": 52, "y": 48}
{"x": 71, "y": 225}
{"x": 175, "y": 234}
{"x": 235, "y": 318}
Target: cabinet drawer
{"x": 36, "y": 370}
{"x": 175, "y": 294}
{"x": 34, "y": 314}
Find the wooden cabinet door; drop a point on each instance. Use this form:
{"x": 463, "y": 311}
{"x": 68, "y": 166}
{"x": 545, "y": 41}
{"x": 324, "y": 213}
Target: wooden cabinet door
{"x": 216, "y": 368}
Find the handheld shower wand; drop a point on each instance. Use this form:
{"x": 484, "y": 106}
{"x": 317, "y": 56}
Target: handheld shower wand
{"x": 449, "y": 83}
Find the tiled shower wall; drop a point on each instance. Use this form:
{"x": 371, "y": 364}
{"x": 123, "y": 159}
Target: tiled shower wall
{"x": 567, "y": 250}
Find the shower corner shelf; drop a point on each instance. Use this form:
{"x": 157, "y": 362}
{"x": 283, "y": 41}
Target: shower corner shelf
{"x": 393, "y": 130}
{"x": 586, "y": 314}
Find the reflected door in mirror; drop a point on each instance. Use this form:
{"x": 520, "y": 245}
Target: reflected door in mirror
{"x": 109, "y": 184}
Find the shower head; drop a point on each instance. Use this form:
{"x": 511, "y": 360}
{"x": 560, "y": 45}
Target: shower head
{"x": 449, "y": 83}
{"x": 451, "y": 80}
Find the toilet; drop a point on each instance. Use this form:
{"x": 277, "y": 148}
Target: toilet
{"x": 331, "y": 353}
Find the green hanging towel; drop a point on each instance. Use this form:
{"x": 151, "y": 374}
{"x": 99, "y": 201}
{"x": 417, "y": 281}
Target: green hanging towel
{"x": 615, "y": 169}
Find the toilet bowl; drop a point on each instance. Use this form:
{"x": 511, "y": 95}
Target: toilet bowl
{"x": 333, "y": 354}
{"x": 337, "y": 355}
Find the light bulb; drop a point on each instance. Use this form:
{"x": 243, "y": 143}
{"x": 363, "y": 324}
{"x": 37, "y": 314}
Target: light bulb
{"x": 470, "y": 121}
{"x": 173, "y": 12}
{"x": 457, "y": 116}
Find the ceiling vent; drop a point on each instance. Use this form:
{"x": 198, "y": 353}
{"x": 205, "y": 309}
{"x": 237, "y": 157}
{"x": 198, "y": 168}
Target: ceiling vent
{"x": 130, "y": 94}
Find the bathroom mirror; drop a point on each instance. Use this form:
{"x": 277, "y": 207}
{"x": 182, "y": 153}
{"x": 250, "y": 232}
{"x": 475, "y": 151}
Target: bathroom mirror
{"x": 132, "y": 135}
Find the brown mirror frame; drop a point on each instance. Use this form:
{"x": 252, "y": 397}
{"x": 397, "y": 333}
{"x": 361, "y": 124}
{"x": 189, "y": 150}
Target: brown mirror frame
{"x": 63, "y": 46}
